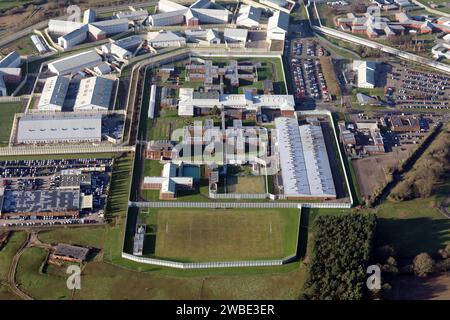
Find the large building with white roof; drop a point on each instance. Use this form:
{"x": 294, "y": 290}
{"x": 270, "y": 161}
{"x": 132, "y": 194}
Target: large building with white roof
{"x": 200, "y": 12}
{"x": 54, "y": 94}
{"x": 188, "y": 102}
{"x": 278, "y": 26}
{"x": 208, "y": 36}
{"x": 163, "y": 39}
{"x": 249, "y": 16}
{"x": 132, "y": 15}
{"x": 304, "y": 163}
{"x": 75, "y": 63}
{"x": 366, "y": 71}
{"x": 72, "y": 32}
{"x": 235, "y": 35}
{"x": 58, "y": 128}
{"x": 94, "y": 93}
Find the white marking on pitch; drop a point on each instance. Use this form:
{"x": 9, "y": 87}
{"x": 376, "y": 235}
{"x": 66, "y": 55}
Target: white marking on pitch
{"x": 167, "y": 227}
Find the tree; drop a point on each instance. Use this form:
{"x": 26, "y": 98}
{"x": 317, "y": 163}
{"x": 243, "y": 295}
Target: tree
{"x": 215, "y": 111}
{"x": 423, "y": 264}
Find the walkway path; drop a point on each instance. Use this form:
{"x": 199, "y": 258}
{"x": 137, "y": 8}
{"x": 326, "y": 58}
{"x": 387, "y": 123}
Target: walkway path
{"x": 13, "y": 268}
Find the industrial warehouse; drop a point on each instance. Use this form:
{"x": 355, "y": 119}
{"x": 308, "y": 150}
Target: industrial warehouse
{"x": 93, "y": 93}
{"x": 86, "y": 127}
{"x": 305, "y": 168}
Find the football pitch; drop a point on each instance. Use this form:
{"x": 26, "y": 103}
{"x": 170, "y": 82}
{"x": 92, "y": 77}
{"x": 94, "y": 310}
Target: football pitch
{"x": 224, "y": 234}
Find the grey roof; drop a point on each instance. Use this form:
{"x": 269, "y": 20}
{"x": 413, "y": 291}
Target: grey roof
{"x": 74, "y": 34}
{"x": 59, "y": 128}
{"x": 236, "y": 33}
{"x": 279, "y": 20}
{"x": 305, "y": 168}
{"x": 94, "y": 92}
{"x": 70, "y": 251}
{"x": 35, "y": 201}
{"x": 212, "y": 94}
{"x": 9, "y": 59}
{"x": 75, "y": 62}
{"x": 111, "y": 22}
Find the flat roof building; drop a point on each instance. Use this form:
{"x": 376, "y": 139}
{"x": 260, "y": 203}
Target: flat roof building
{"x": 305, "y": 167}
{"x": 39, "y": 203}
{"x": 54, "y": 93}
{"x": 365, "y": 73}
{"x": 59, "y": 128}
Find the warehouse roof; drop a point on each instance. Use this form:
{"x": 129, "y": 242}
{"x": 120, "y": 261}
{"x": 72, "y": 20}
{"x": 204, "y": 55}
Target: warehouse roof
{"x": 58, "y": 128}
{"x": 75, "y": 63}
{"x": 54, "y": 92}
{"x": 305, "y": 167}
{"x": 94, "y": 93}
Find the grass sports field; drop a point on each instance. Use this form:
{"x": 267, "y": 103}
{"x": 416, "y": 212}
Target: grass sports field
{"x": 246, "y": 184}
{"x": 214, "y": 235}
{"x": 7, "y": 111}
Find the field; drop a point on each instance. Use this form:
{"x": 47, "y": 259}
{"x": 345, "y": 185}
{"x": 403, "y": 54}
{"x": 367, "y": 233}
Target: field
{"x": 246, "y": 184}
{"x": 412, "y": 227}
{"x": 23, "y": 46}
{"x": 8, "y": 251}
{"x": 205, "y": 235}
{"x": 372, "y": 172}
{"x": 7, "y": 4}
{"x": 443, "y": 4}
{"x": 32, "y": 279}
{"x": 7, "y": 111}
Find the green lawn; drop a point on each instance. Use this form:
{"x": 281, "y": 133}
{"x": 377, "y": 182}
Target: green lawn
{"x": 83, "y": 236}
{"x": 246, "y": 184}
{"x": 442, "y": 4}
{"x": 152, "y": 168}
{"x": 35, "y": 280}
{"x": 23, "y": 46}
{"x": 206, "y": 235}
{"x": 8, "y": 251}
{"x": 7, "y": 112}
{"x": 8, "y": 4}
{"x": 412, "y": 227}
